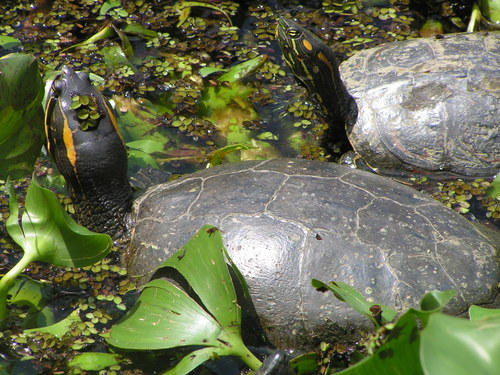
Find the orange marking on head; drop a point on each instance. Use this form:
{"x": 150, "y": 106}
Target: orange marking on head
{"x": 307, "y": 45}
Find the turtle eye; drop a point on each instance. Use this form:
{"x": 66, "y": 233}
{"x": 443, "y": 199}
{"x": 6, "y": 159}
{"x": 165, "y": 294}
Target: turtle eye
{"x": 293, "y": 33}
{"x": 57, "y": 86}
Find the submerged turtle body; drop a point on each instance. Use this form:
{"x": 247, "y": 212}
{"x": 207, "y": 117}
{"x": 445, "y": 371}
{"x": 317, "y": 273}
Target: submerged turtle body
{"x": 427, "y": 104}
{"x": 286, "y": 222}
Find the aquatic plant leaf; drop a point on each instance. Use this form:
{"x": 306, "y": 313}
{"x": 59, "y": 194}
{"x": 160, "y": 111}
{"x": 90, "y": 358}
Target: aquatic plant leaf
{"x": 185, "y": 10}
{"x": 203, "y": 255}
{"x": 458, "y": 346}
{"x": 165, "y": 316}
{"x": 8, "y": 42}
{"x": 478, "y": 312}
{"x": 241, "y": 70}
{"x": 494, "y": 190}
{"x": 46, "y": 232}
{"x": 92, "y": 361}
{"x": 21, "y": 114}
{"x": 398, "y": 355}
{"x": 216, "y": 157}
{"x": 436, "y": 300}
{"x": 28, "y": 292}
{"x": 355, "y": 299}
{"x": 60, "y": 328}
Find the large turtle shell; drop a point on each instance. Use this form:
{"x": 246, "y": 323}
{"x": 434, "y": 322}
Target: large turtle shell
{"x": 285, "y": 222}
{"x": 428, "y": 103}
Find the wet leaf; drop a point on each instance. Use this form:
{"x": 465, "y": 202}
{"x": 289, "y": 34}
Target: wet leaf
{"x": 60, "y": 328}
{"x": 46, "y": 232}
{"x": 355, "y": 299}
{"x": 21, "y": 114}
{"x": 458, "y": 346}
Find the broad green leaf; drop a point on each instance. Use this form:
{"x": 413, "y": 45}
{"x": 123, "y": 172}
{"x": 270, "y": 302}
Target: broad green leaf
{"x": 21, "y": 114}
{"x": 305, "y": 363}
{"x": 436, "y": 300}
{"x": 494, "y": 190}
{"x": 477, "y": 312}
{"x": 458, "y": 346}
{"x": 28, "y": 292}
{"x": 355, "y": 299}
{"x": 432, "y": 302}
{"x": 8, "y": 42}
{"x": 92, "y": 361}
{"x": 60, "y": 328}
{"x": 191, "y": 361}
{"x": 215, "y": 288}
{"x": 398, "y": 355}
{"x": 165, "y": 317}
{"x": 491, "y": 10}
{"x": 46, "y": 232}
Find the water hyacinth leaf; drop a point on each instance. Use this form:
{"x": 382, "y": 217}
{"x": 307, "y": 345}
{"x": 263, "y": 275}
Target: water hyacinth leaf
{"x": 92, "y": 361}
{"x": 478, "y": 312}
{"x": 215, "y": 288}
{"x": 46, "y": 232}
{"x": 60, "y": 328}
{"x": 398, "y": 355}
{"x": 8, "y": 42}
{"x": 494, "y": 190}
{"x": 21, "y": 114}
{"x": 436, "y": 300}
{"x": 355, "y": 299}
{"x": 28, "y": 292}
{"x": 165, "y": 317}
{"x": 191, "y": 361}
{"x": 458, "y": 346}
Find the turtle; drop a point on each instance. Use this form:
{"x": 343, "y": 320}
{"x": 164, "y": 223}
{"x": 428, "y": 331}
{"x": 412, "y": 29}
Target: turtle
{"x": 284, "y": 222}
{"x": 427, "y": 104}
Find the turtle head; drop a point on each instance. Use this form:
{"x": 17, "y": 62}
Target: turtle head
{"x": 314, "y": 64}
{"x": 84, "y": 141}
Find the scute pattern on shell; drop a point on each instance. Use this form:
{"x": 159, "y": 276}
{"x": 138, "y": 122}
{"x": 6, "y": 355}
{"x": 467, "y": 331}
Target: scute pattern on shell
{"x": 285, "y": 222}
{"x": 428, "y": 103}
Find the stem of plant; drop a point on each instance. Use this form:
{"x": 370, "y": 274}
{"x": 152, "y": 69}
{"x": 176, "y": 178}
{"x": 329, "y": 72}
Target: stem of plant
{"x": 241, "y": 350}
{"x": 6, "y": 282}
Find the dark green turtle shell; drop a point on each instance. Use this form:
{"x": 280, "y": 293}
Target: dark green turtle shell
{"x": 286, "y": 222}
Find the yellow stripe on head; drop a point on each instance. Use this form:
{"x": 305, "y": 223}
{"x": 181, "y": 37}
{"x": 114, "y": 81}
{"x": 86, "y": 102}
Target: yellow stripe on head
{"x": 69, "y": 143}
